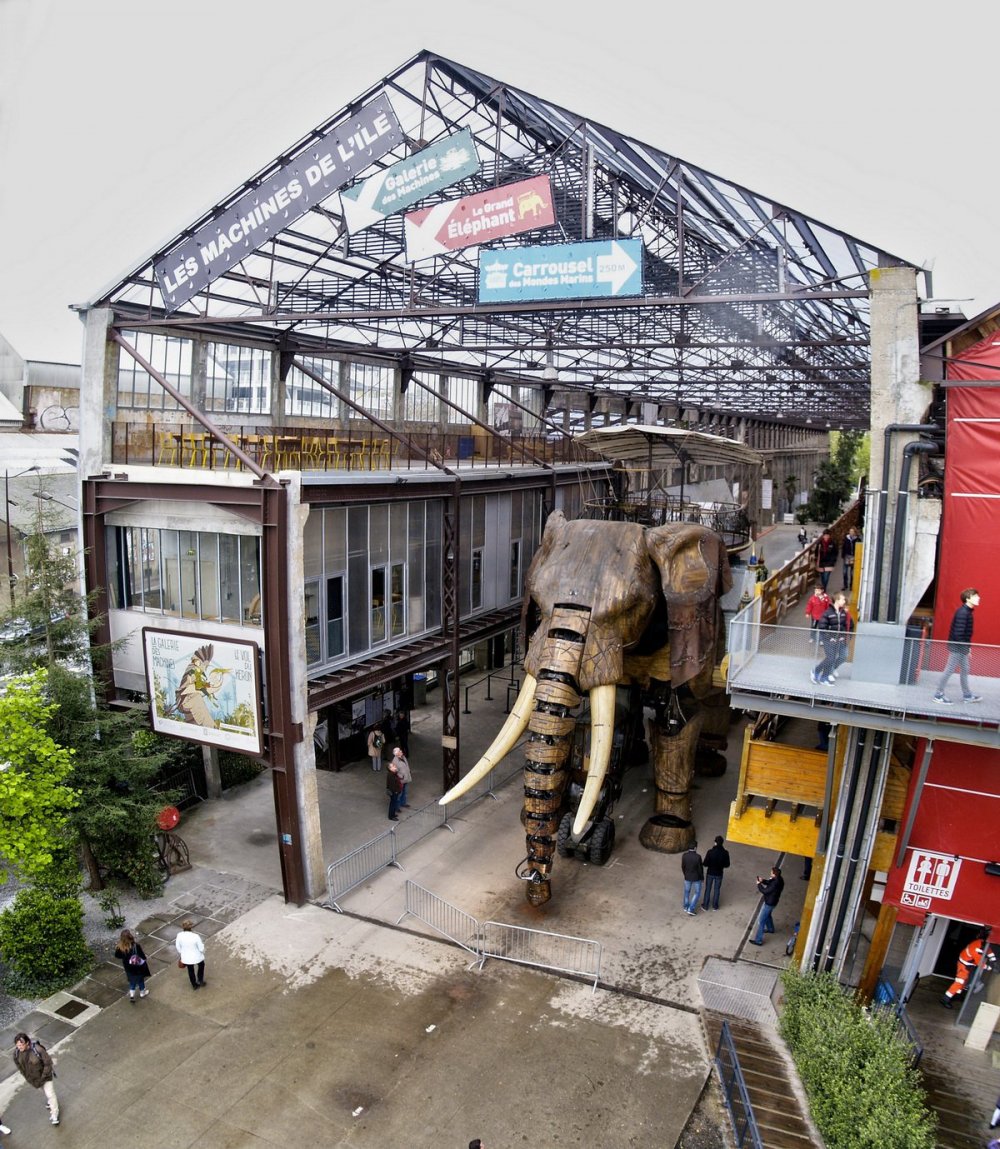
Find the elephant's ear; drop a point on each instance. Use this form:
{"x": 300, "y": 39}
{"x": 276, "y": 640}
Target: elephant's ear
{"x": 694, "y": 574}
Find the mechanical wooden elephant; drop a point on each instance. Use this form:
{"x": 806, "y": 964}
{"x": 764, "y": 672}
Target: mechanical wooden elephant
{"x": 605, "y": 603}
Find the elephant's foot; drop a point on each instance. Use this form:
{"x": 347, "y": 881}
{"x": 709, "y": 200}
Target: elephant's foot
{"x": 538, "y": 891}
{"x": 538, "y": 888}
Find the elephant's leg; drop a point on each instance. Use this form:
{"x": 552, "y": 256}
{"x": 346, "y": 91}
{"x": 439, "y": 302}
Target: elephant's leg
{"x": 548, "y": 749}
{"x": 670, "y": 830}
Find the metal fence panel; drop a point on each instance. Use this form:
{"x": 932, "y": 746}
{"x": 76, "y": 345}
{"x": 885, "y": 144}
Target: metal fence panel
{"x": 449, "y": 920}
{"x": 359, "y": 865}
{"x": 540, "y": 948}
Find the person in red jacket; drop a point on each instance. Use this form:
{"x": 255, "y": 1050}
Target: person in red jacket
{"x": 819, "y": 600}
{"x": 975, "y": 953}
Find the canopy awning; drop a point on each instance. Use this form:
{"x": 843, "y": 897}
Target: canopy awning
{"x": 643, "y": 447}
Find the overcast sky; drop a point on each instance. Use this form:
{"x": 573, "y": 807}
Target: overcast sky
{"x": 120, "y": 121}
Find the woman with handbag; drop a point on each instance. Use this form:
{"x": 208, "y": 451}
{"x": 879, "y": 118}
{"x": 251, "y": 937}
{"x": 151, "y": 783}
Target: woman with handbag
{"x": 191, "y": 953}
{"x": 133, "y": 960}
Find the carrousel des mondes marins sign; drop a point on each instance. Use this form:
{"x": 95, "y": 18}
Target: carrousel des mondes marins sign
{"x": 326, "y": 165}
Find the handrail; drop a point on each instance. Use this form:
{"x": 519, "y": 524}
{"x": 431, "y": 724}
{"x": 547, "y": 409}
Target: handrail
{"x": 735, "y": 1093}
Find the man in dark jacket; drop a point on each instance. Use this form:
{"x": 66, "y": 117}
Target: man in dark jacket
{"x": 959, "y": 641}
{"x": 716, "y": 860}
{"x": 694, "y": 875}
{"x": 771, "y": 889}
{"x": 32, "y": 1059}
{"x": 834, "y": 629}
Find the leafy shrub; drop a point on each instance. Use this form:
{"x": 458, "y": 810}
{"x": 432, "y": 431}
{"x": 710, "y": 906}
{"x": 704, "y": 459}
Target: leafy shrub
{"x": 42, "y": 943}
{"x": 856, "y": 1072}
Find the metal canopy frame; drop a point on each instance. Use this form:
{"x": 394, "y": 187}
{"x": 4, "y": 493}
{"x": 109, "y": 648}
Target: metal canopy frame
{"x": 750, "y": 308}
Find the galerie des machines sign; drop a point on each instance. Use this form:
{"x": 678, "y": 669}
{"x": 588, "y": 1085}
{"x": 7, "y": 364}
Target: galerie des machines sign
{"x": 326, "y": 165}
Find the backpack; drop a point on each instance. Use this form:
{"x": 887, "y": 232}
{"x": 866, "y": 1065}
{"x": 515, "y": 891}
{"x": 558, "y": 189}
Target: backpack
{"x": 135, "y": 959}
{"x": 377, "y": 742}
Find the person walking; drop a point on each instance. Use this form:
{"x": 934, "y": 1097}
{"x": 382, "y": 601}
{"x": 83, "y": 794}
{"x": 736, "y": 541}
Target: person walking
{"x": 851, "y": 540}
{"x": 403, "y": 731}
{"x": 770, "y": 888}
{"x": 959, "y": 650}
{"x": 835, "y": 626}
{"x": 975, "y": 953}
{"x": 134, "y": 962}
{"x": 994, "y": 1120}
{"x": 817, "y": 605}
{"x": 376, "y": 740}
{"x": 694, "y": 875}
{"x": 716, "y": 862}
{"x": 826, "y": 557}
{"x": 394, "y": 788}
{"x": 400, "y": 761}
{"x": 35, "y": 1065}
{"x": 191, "y": 953}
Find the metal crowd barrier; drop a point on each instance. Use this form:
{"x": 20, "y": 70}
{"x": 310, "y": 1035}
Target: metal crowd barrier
{"x": 359, "y": 865}
{"x": 542, "y": 949}
{"x": 348, "y": 872}
{"x": 734, "y": 1090}
{"x": 449, "y": 920}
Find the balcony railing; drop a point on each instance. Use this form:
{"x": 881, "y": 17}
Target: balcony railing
{"x": 323, "y": 449}
{"x": 881, "y": 667}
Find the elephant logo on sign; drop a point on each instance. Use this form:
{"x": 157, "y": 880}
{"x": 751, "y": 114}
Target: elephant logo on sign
{"x": 530, "y": 203}
{"x": 605, "y": 604}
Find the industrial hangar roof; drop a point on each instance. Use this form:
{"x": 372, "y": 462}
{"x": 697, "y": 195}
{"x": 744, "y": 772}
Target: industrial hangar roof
{"x": 738, "y": 304}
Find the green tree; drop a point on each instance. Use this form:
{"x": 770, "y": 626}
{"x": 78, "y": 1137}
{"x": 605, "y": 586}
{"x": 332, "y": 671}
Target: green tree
{"x": 116, "y": 758}
{"x": 833, "y": 479}
{"x": 36, "y": 797}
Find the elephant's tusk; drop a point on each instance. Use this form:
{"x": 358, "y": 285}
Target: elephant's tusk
{"x": 512, "y": 729}
{"x": 602, "y": 728}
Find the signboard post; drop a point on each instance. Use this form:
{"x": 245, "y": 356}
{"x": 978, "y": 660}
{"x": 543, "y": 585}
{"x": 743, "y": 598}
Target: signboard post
{"x": 598, "y": 269}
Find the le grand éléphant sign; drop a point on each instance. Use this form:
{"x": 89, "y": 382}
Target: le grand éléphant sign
{"x": 326, "y": 165}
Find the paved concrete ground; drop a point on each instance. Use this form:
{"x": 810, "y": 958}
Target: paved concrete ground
{"x": 328, "y": 1029}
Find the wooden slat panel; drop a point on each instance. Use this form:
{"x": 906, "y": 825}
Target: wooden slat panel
{"x": 787, "y": 773}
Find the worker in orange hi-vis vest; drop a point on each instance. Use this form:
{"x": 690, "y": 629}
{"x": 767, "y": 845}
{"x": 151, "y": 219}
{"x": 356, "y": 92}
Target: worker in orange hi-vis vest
{"x": 975, "y": 952}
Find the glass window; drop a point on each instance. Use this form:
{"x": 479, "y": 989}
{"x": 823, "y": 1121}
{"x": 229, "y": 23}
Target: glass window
{"x": 378, "y": 533}
{"x": 187, "y": 542}
{"x": 477, "y": 578}
{"x": 208, "y": 576}
{"x": 463, "y": 393}
{"x": 313, "y": 649}
{"x": 312, "y": 556}
{"x": 432, "y": 564}
{"x": 229, "y": 578}
{"x": 171, "y": 572}
{"x": 238, "y": 379}
{"x": 152, "y": 597}
{"x": 397, "y": 617}
{"x": 378, "y": 604}
{"x": 421, "y": 405}
{"x": 250, "y": 579}
{"x": 304, "y": 396}
{"x": 335, "y": 616}
{"x": 166, "y": 354}
{"x": 357, "y": 580}
{"x": 133, "y": 551}
{"x": 335, "y": 539}
{"x": 515, "y": 569}
{"x": 415, "y": 561}
{"x": 371, "y": 387}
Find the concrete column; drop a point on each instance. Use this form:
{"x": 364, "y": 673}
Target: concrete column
{"x": 98, "y": 392}
{"x": 306, "y": 788}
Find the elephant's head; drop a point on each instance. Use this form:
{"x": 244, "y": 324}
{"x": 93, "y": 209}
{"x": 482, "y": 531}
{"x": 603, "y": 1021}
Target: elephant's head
{"x": 605, "y": 603}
